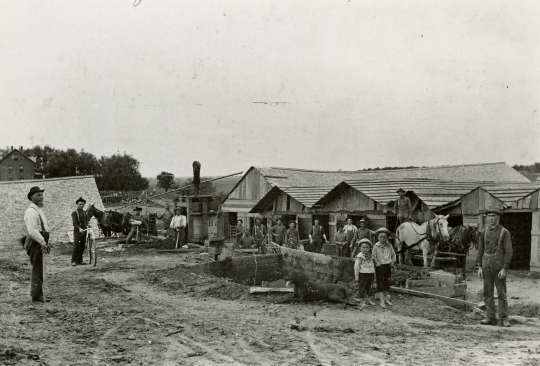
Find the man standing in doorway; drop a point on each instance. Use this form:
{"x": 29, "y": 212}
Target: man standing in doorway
{"x": 493, "y": 259}
{"x": 350, "y": 233}
{"x": 37, "y": 241}
{"x": 292, "y": 236}
{"x": 362, "y": 233}
{"x": 166, "y": 216}
{"x": 80, "y": 225}
{"x": 316, "y": 235}
{"x": 278, "y": 232}
{"x": 403, "y": 207}
{"x": 178, "y": 225}
{"x": 259, "y": 235}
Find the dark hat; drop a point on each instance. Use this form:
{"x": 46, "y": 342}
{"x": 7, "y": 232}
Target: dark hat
{"x": 382, "y": 230}
{"x": 258, "y": 218}
{"x": 292, "y": 222}
{"x": 34, "y": 190}
{"x": 137, "y": 208}
{"x": 400, "y": 190}
{"x": 80, "y": 199}
{"x": 494, "y": 210}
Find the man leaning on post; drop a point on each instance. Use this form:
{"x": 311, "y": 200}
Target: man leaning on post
{"x": 494, "y": 256}
{"x": 37, "y": 241}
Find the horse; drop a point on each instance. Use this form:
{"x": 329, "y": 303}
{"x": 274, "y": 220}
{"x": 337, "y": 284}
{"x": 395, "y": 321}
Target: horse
{"x": 461, "y": 239}
{"x": 103, "y": 218}
{"x": 410, "y": 234}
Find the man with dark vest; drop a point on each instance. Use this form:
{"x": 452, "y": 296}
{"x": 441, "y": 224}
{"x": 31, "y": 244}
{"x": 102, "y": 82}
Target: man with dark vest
{"x": 259, "y": 234}
{"x": 362, "y": 233}
{"x": 36, "y": 243}
{"x": 80, "y": 224}
{"x": 493, "y": 259}
{"x": 292, "y": 236}
{"x": 316, "y": 235}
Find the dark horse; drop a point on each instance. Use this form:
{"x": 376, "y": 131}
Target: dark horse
{"x": 109, "y": 222}
{"x": 462, "y": 238}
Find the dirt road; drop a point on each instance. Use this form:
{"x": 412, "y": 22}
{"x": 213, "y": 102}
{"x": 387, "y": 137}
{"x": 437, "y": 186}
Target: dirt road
{"x": 137, "y": 307}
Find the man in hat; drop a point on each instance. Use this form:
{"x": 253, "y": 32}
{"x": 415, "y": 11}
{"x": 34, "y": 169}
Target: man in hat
{"x": 135, "y": 221}
{"x": 80, "y": 225}
{"x": 36, "y": 241}
{"x": 316, "y": 235}
{"x": 166, "y": 216}
{"x": 278, "y": 232}
{"x": 493, "y": 259}
{"x": 178, "y": 224}
{"x": 259, "y": 234}
{"x": 362, "y": 233}
{"x": 292, "y": 236}
{"x": 240, "y": 230}
{"x": 403, "y": 207}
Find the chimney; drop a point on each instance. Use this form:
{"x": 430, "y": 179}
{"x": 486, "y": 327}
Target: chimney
{"x": 21, "y": 149}
{"x": 12, "y": 148}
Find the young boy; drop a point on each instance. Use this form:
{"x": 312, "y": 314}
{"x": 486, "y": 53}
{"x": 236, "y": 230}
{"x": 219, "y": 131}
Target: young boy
{"x": 384, "y": 258}
{"x": 364, "y": 271}
{"x": 341, "y": 242}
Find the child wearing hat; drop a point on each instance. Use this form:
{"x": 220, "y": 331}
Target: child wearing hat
{"x": 364, "y": 271}
{"x": 384, "y": 257}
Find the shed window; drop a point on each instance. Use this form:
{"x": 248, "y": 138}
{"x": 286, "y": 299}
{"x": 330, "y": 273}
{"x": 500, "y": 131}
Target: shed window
{"x": 21, "y": 168}
{"x": 10, "y": 169}
{"x": 15, "y": 156}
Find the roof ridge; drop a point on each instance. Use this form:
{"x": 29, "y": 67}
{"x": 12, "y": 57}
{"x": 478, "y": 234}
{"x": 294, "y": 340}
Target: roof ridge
{"x": 46, "y": 179}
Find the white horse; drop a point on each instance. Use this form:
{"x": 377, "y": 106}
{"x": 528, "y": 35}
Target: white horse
{"x": 410, "y": 234}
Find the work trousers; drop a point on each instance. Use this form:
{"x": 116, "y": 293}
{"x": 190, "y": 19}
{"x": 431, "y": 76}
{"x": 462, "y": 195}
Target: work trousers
{"x": 316, "y": 246}
{"x": 279, "y": 240}
{"x": 180, "y": 236}
{"x": 166, "y": 224}
{"x": 79, "y": 245}
{"x": 384, "y": 272}
{"x": 365, "y": 280}
{"x": 132, "y": 233}
{"x": 491, "y": 266}
{"x": 36, "y": 260}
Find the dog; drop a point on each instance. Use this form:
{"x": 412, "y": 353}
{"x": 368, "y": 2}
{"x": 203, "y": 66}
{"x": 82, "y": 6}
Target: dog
{"x": 306, "y": 290}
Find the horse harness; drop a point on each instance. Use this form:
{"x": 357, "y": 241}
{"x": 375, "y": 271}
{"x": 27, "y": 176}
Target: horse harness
{"x": 427, "y": 236}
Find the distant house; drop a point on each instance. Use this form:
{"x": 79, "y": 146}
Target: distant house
{"x": 17, "y": 166}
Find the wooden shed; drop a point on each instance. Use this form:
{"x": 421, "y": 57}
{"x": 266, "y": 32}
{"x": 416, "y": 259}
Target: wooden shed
{"x": 521, "y": 216}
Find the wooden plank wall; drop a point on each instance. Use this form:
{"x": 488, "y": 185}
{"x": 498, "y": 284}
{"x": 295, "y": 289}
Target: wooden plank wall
{"x": 479, "y": 200}
{"x": 252, "y": 187}
{"x": 280, "y": 204}
{"x": 535, "y": 242}
{"x": 350, "y": 200}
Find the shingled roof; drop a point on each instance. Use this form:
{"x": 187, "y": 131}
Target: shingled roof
{"x": 59, "y": 202}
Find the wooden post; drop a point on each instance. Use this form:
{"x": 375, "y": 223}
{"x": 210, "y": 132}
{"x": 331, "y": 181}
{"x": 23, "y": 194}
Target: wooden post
{"x": 535, "y": 242}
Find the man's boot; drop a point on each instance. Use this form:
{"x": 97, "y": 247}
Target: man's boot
{"x": 504, "y": 323}
{"x": 487, "y": 321}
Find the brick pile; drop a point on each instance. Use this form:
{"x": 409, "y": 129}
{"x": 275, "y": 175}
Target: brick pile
{"x": 60, "y": 197}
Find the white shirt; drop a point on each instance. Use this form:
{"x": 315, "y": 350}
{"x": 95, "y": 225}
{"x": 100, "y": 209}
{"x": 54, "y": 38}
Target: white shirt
{"x": 178, "y": 221}
{"x": 32, "y": 220}
{"x": 350, "y": 227}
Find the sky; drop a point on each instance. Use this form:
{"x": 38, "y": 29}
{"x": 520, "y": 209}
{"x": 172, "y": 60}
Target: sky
{"x": 307, "y": 84}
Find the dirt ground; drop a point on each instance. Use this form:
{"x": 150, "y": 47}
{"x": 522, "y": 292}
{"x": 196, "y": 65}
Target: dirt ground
{"x": 141, "y": 306}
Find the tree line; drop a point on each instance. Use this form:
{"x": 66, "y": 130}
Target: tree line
{"x": 533, "y": 168}
{"x": 119, "y": 172}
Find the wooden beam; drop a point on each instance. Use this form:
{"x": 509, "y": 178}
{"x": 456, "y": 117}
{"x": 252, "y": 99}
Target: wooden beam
{"x": 267, "y": 290}
{"x": 426, "y": 294}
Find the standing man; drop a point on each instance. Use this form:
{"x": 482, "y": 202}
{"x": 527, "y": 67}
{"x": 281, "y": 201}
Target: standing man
{"x": 342, "y": 245}
{"x": 316, "y": 235}
{"x": 350, "y": 233}
{"x": 493, "y": 259}
{"x": 292, "y": 236}
{"x": 166, "y": 216}
{"x": 135, "y": 222}
{"x": 259, "y": 234}
{"x": 178, "y": 224}
{"x": 239, "y": 231}
{"x": 278, "y": 232}
{"x": 403, "y": 207}
{"x": 37, "y": 241}
{"x": 362, "y": 233}
{"x": 80, "y": 224}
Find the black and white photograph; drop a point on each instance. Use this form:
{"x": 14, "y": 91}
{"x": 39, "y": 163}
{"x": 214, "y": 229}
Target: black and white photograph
{"x": 233, "y": 182}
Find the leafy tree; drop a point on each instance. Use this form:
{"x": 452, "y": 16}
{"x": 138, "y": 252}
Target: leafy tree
{"x": 533, "y": 168}
{"x": 166, "y": 181}
{"x": 120, "y": 173}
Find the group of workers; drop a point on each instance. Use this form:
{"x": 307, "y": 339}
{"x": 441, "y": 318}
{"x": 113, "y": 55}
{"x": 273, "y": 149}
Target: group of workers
{"x": 373, "y": 261}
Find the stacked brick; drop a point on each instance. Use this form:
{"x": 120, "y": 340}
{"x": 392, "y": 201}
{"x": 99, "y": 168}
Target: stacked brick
{"x": 60, "y": 197}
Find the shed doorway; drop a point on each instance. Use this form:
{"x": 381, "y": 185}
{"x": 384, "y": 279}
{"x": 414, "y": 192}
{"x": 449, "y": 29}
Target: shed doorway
{"x": 520, "y": 225}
